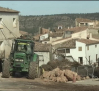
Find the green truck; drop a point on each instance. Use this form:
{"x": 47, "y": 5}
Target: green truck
{"x": 22, "y": 59}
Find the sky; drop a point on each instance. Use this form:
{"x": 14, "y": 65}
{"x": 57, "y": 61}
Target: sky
{"x": 51, "y": 7}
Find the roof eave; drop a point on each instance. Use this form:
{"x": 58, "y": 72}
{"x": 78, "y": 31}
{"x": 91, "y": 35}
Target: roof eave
{"x": 65, "y": 47}
{"x": 92, "y": 43}
{"x": 10, "y": 11}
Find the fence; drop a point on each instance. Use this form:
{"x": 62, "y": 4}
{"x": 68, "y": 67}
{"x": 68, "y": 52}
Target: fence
{"x": 85, "y": 70}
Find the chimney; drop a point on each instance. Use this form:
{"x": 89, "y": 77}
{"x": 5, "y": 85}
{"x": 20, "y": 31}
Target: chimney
{"x": 90, "y": 35}
{"x": 40, "y": 30}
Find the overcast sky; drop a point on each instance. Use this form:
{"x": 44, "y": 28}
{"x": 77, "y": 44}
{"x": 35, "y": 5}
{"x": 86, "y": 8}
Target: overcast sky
{"x": 51, "y": 7}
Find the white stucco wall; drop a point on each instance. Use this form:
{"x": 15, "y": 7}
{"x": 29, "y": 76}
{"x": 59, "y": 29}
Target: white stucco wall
{"x": 42, "y": 37}
{"x": 76, "y": 54}
{"x": 84, "y": 53}
{"x": 91, "y": 23}
{"x": 93, "y": 31}
{"x": 54, "y": 39}
{"x": 8, "y": 21}
{"x": 81, "y": 34}
{"x": 46, "y": 56}
{"x": 6, "y": 47}
{"x": 92, "y": 52}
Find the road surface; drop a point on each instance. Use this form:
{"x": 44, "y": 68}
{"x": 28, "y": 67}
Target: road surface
{"x": 24, "y": 84}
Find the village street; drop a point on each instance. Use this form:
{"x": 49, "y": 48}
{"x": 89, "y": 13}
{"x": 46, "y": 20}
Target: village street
{"x": 24, "y": 84}
{"x": 49, "y": 51}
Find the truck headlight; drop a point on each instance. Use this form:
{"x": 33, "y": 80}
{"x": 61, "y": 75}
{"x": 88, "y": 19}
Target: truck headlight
{"x": 20, "y": 60}
{"x": 16, "y": 59}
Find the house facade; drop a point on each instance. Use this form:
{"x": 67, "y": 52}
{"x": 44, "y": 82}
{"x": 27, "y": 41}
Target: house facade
{"x": 9, "y": 29}
{"x": 79, "y": 22}
{"x": 9, "y": 23}
{"x": 84, "y": 22}
{"x": 43, "y": 51}
{"x": 53, "y": 37}
{"x": 81, "y": 50}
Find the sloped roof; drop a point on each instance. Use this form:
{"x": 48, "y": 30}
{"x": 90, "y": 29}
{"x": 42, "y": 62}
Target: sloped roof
{"x": 23, "y": 33}
{"x": 54, "y": 34}
{"x": 88, "y": 41}
{"x": 76, "y": 29}
{"x": 83, "y": 20}
{"x": 69, "y": 44}
{"x": 8, "y": 10}
{"x": 39, "y": 47}
{"x": 72, "y": 43}
{"x": 36, "y": 37}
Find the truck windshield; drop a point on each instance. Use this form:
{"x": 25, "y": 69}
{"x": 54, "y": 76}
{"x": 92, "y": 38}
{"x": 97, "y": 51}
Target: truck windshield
{"x": 24, "y": 47}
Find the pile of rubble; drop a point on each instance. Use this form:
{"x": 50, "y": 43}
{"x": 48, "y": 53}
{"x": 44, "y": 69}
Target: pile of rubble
{"x": 58, "y": 75}
{"x": 60, "y": 71}
{"x": 64, "y": 64}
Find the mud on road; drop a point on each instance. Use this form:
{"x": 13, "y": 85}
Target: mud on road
{"x": 23, "y": 84}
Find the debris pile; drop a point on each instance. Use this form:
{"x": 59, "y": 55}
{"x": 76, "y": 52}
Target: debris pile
{"x": 64, "y": 64}
{"x": 58, "y": 75}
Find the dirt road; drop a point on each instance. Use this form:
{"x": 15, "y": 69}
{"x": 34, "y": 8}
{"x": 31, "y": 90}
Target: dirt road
{"x": 24, "y": 84}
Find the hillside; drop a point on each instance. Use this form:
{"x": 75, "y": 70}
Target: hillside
{"x": 31, "y": 23}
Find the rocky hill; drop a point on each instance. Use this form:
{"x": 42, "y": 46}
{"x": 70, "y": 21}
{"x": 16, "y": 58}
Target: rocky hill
{"x": 31, "y": 23}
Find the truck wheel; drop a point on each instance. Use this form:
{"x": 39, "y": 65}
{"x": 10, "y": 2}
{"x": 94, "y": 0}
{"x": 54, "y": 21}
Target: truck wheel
{"x": 6, "y": 67}
{"x": 33, "y": 70}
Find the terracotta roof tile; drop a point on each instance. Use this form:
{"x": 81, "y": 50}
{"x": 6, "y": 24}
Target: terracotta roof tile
{"x": 72, "y": 43}
{"x": 23, "y": 32}
{"x": 88, "y": 41}
{"x": 36, "y": 37}
{"x": 76, "y": 29}
{"x": 54, "y": 34}
{"x": 69, "y": 44}
{"x": 39, "y": 47}
{"x": 83, "y": 20}
{"x": 8, "y": 10}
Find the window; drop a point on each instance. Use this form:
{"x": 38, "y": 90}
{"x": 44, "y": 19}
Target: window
{"x": 14, "y": 22}
{"x": 67, "y": 50}
{"x": 95, "y": 46}
{"x": 79, "y": 48}
{"x": 86, "y": 24}
{"x": 1, "y": 26}
{"x": 87, "y": 47}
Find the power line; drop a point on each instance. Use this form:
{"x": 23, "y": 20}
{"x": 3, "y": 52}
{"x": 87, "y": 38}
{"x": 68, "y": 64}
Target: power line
{"x": 13, "y": 34}
{"x": 8, "y": 29}
{"x": 5, "y": 37}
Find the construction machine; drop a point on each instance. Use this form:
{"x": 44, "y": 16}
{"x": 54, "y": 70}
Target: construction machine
{"x": 22, "y": 59}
